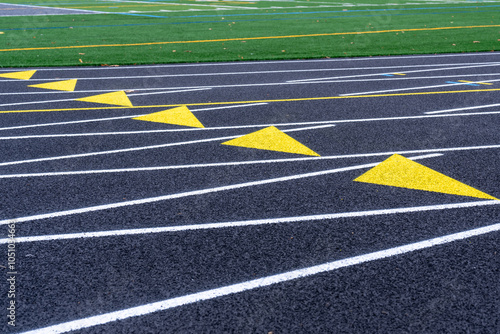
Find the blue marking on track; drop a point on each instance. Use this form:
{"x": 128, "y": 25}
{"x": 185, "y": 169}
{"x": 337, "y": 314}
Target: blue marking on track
{"x": 462, "y": 83}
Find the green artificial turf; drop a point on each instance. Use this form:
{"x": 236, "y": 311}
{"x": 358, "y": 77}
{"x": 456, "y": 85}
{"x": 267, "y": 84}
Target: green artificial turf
{"x": 189, "y": 31}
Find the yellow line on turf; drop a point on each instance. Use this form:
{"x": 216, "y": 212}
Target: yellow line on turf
{"x": 248, "y": 38}
{"x": 118, "y": 6}
{"x": 254, "y": 101}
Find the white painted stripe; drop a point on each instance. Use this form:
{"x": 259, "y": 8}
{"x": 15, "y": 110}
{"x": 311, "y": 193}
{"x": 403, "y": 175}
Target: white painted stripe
{"x": 218, "y": 127}
{"x": 169, "y": 91}
{"x": 464, "y": 108}
{"x": 125, "y": 150}
{"x": 141, "y": 148}
{"x": 55, "y": 14}
{"x": 122, "y": 117}
{"x": 402, "y": 72}
{"x": 184, "y": 75}
{"x": 240, "y": 163}
{"x": 232, "y": 106}
{"x": 252, "y": 162}
{"x": 261, "y": 282}
{"x": 35, "y": 102}
{"x": 232, "y": 163}
{"x": 74, "y": 99}
{"x": 398, "y": 78}
{"x": 403, "y": 78}
{"x": 70, "y": 11}
{"x": 186, "y": 4}
{"x": 246, "y": 223}
{"x": 260, "y": 63}
{"x": 309, "y": 128}
{"x": 414, "y": 88}
{"x": 191, "y": 193}
{"x": 69, "y": 122}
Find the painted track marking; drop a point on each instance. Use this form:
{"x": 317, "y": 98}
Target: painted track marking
{"x": 211, "y": 74}
{"x": 262, "y": 282}
{"x": 141, "y": 148}
{"x": 121, "y": 117}
{"x": 191, "y": 193}
{"x": 259, "y": 101}
{"x": 341, "y": 121}
{"x": 251, "y": 162}
{"x": 404, "y": 72}
{"x": 413, "y": 88}
{"x": 255, "y": 222}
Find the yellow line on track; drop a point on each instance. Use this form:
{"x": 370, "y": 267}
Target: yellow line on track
{"x": 248, "y": 38}
{"x": 255, "y": 101}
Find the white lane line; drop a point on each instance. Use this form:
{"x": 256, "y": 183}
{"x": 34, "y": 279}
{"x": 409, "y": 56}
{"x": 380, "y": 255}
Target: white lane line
{"x": 219, "y": 127}
{"x": 141, "y": 148}
{"x": 414, "y": 88}
{"x": 246, "y": 223}
{"x": 464, "y": 108}
{"x": 73, "y": 99}
{"x": 125, "y": 150}
{"x": 211, "y": 74}
{"x": 191, "y": 193}
{"x": 252, "y": 162}
{"x": 123, "y": 117}
{"x": 260, "y": 63}
{"x": 401, "y": 78}
{"x": 35, "y": 102}
{"x": 261, "y": 282}
{"x": 168, "y": 91}
{"x": 257, "y": 84}
{"x": 183, "y": 75}
{"x": 73, "y": 11}
{"x": 310, "y": 128}
{"x": 402, "y": 72}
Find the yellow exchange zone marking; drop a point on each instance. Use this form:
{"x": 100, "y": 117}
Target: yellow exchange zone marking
{"x": 249, "y": 38}
{"x": 255, "y": 101}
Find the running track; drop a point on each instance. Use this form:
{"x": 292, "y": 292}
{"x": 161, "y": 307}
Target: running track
{"x": 130, "y": 226}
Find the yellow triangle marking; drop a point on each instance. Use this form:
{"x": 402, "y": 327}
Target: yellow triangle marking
{"x": 178, "y": 116}
{"x": 398, "y": 171}
{"x": 66, "y": 85}
{"x": 116, "y": 98}
{"x": 24, "y": 75}
{"x": 271, "y": 139}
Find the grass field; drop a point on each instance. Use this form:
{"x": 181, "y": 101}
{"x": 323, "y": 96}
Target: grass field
{"x": 138, "y": 32}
